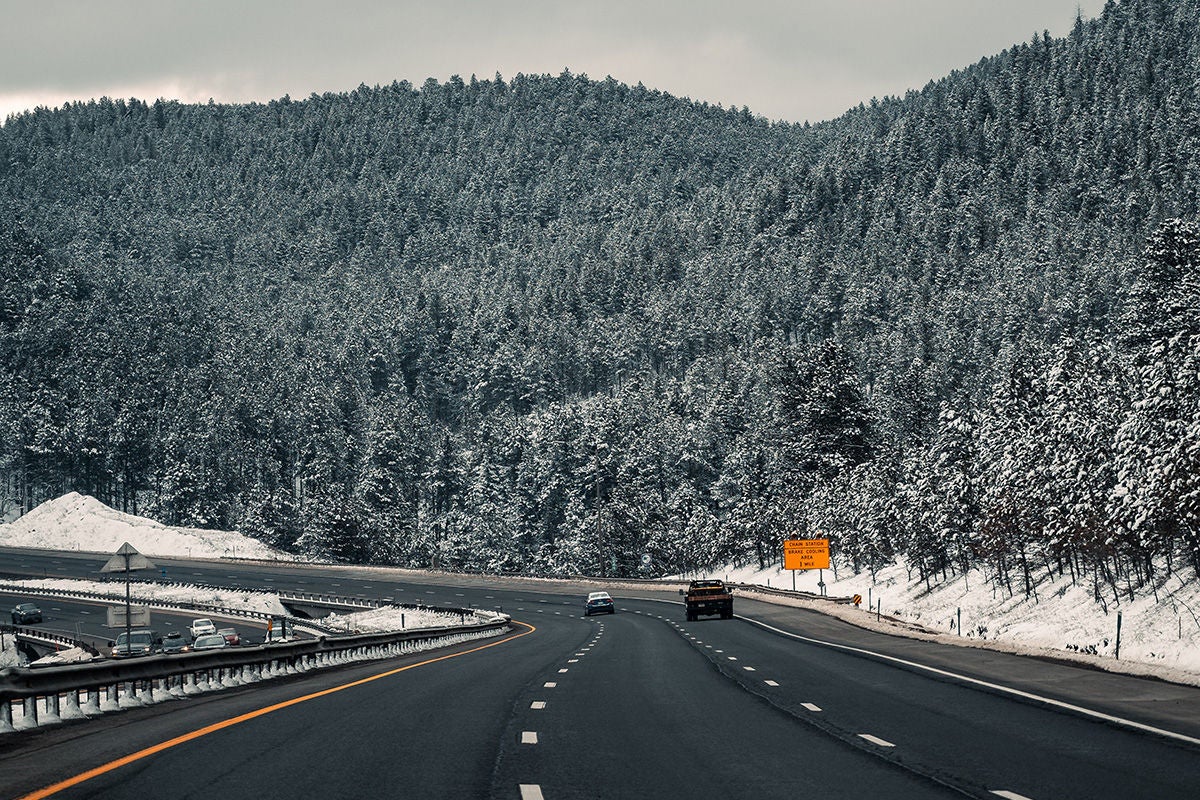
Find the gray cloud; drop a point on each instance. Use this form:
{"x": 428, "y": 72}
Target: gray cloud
{"x": 805, "y": 59}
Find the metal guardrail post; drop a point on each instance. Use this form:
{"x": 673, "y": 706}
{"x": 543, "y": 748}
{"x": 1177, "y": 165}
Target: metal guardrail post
{"x": 143, "y": 681}
{"x": 30, "y": 717}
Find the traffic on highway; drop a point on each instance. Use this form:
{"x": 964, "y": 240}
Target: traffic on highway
{"x": 650, "y": 700}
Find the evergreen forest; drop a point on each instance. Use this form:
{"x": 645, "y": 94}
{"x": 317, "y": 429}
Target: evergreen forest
{"x": 553, "y": 325}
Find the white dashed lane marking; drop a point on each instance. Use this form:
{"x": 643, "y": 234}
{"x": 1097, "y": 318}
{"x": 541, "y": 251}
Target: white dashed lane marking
{"x": 1008, "y": 795}
{"x": 549, "y": 684}
{"x": 528, "y": 737}
{"x": 564, "y": 669}
{"x": 809, "y": 706}
{"x": 770, "y": 683}
{"x": 876, "y": 740}
{"x": 538, "y": 705}
{"x": 531, "y": 791}
{"x": 749, "y": 669}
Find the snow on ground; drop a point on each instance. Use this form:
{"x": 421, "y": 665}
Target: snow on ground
{"x": 164, "y": 593}
{"x": 387, "y": 618}
{"x": 79, "y": 522}
{"x": 1160, "y": 632}
{"x": 394, "y": 618}
{"x": 9, "y": 655}
{"x": 1160, "y": 635}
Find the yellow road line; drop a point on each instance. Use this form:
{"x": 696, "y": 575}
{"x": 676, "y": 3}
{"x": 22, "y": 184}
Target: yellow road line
{"x": 216, "y": 726}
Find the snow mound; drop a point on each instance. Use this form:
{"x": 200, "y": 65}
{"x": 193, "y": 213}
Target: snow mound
{"x": 79, "y": 522}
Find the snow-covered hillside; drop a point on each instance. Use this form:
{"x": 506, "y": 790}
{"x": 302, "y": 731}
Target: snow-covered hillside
{"x": 79, "y": 522}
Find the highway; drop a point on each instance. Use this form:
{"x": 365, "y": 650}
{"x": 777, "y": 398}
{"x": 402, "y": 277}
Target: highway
{"x": 779, "y": 702}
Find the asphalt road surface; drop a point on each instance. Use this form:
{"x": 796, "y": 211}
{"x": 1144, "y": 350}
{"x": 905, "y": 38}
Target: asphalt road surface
{"x": 779, "y": 702}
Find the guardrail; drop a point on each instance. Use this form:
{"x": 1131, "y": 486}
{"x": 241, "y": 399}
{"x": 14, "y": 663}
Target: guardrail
{"x": 776, "y": 592}
{"x": 51, "y": 694}
{"x": 173, "y": 605}
{"x": 330, "y": 600}
{"x": 46, "y": 638}
{"x": 299, "y": 623}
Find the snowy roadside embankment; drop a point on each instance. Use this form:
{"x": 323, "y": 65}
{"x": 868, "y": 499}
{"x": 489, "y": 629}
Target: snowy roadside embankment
{"x": 166, "y": 594}
{"x": 79, "y": 522}
{"x": 375, "y": 620}
{"x": 1160, "y": 626}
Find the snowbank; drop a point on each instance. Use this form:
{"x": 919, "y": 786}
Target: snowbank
{"x": 394, "y": 618}
{"x": 79, "y": 522}
{"x": 164, "y": 593}
{"x": 1160, "y": 626}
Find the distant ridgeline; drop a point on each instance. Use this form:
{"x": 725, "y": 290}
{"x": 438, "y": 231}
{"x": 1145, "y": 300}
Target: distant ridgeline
{"x": 550, "y": 324}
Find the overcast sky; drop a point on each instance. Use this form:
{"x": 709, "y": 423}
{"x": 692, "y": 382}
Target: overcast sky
{"x": 786, "y": 59}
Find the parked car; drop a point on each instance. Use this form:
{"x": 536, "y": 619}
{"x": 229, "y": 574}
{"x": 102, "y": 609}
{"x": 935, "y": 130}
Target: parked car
{"x": 599, "y": 603}
{"x": 140, "y": 643}
{"x": 25, "y": 613}
{"x": 175, "y": 642}
{"x": 202, "y": 627}
{"x": 231, "y": 636}
{"x": 213, "y": 641}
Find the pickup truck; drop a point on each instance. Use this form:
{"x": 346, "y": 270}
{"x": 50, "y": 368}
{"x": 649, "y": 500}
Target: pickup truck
{"x": 705, "y": 598}
{"x": 139, "y": 643}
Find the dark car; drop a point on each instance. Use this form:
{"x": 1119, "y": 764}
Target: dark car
{"x": 599, "y": 603}
{"x": 175, "y": 642}
{"x": 25, "y": 613}
{"x": 140, "y": 643}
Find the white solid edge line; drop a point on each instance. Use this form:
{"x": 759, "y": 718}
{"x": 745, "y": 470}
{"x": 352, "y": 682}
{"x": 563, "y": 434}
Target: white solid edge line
{"x": 531, "y": 791}
{"x": 876, "y": 740}
{"x": 1007, "y": 795}
{"x": 1141, "y": 726}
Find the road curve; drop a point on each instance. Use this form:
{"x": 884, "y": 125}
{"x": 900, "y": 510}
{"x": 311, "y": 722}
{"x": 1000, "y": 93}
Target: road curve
{"x": 637, "y": 704}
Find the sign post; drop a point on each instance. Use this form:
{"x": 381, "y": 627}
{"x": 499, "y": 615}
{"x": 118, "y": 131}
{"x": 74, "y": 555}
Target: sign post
{"x": 806, "y": 554}
{"x": 127, "y": 559}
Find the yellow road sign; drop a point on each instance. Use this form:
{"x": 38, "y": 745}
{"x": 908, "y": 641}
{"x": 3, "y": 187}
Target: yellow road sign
{"x": 806, "y": 554}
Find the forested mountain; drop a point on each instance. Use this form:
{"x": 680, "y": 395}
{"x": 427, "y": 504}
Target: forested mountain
{"x": 551, "y": 324}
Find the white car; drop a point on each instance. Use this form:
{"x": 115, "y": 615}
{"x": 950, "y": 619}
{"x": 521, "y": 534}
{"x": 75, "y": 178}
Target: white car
{"x": 202, "y": 627}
